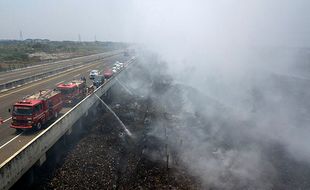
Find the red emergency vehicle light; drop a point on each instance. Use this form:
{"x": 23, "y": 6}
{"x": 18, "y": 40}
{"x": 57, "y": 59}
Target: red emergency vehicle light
{"x": 70, "y": 85}
{"x": 27, "y": 102}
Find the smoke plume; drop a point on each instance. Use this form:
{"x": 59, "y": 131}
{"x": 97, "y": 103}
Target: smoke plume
{"x": 245, "y": 65}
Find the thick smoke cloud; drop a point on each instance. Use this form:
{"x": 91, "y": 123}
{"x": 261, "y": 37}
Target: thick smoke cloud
{"x": 244, "y": 55}
{"x": 222, "y": 38}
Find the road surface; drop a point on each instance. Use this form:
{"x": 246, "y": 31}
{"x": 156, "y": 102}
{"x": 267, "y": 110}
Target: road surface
{"x": 10, "y": 140}
{"x": 38, "y": 69}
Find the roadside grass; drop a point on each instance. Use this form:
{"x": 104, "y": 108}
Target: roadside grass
{"x": 16, "y": 54}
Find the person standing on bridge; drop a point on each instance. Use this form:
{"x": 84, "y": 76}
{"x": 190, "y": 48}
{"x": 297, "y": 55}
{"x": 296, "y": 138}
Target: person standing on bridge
{"x": 83, "y": 78}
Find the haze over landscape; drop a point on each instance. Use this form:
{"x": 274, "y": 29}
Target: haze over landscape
{"x": 250, "y": 57}
{"x": 269, "y": 22}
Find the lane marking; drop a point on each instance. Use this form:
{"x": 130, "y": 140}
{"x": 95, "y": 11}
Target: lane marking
{"x": 52, "y": 78}
{"x": 63, "y": 74}
{"x": 51, "y": 64}
{"x": 7, "y": 119}
{"x": 29, "y": 87}
{"x": 34, "y": 139}
{"x": 76, "y": 75}
{"x": 60, "y": 82}
{"x": 23, "y": 75}
{"x": 11, "y": 140}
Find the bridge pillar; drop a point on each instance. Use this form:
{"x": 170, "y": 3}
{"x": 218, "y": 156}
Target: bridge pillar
{"x": 41, "y": 160}
{"x": 69, "y": 131}
{"x": 29, "y": 177}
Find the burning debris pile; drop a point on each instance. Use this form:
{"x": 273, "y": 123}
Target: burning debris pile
{"x": 108, "y": 158}
{"x": 181, "y": 139}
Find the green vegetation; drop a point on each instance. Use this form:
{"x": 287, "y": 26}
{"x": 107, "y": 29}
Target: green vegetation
{"x": 14, "y": 54}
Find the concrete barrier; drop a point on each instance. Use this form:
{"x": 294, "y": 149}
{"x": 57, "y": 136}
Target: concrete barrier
{"x": 21, "y": 81}
{"x": 14, "y": 167}
{"x": 49, "y": 62}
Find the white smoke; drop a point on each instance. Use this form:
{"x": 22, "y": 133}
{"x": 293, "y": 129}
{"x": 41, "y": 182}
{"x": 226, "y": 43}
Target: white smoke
{"x": 242, "y": 54}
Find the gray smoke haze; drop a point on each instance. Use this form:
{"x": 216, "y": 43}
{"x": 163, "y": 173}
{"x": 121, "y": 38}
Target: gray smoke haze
{"x": 246, "y": 63}
{"x": 251, "y": 58}
{"x": 209, "y": 41}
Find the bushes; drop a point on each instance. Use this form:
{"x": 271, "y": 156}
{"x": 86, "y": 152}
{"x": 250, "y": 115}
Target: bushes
{"x": 15, "y": 56}
{"x": 18, "y": 51}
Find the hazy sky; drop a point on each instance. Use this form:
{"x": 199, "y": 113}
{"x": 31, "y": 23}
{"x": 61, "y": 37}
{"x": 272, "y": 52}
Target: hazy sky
{"x": 280, "y": 21}
{"x": 65, "y": 19}
{"x": 206, "y": 44}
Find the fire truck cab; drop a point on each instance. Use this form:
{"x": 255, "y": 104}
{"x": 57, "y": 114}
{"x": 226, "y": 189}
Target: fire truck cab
{"x": 73, "y": 91}
{"x": 36, "y": 110}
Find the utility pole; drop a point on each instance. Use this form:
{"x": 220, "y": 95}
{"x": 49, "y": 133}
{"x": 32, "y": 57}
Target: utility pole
{"x": 95, "y": 38}
{"x": 79, "y": 38}
{"x": 21, "y": 38}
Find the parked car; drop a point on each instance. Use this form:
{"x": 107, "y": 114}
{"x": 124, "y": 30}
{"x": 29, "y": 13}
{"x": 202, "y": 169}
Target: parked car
{"x": 93, "y": 73}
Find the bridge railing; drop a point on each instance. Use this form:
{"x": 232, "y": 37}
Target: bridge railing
{"x": 24, "y": 80}
{"x": 14, "y": 167}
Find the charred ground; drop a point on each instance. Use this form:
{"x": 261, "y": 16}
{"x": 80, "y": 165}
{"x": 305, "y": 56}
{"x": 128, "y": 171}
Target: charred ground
{"x": 178, "y": 142}
{"x": 106, "y": 158}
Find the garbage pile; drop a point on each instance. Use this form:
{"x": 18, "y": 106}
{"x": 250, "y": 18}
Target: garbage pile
{"x": 107, "y": 158}
{"x": 181, "y": 139}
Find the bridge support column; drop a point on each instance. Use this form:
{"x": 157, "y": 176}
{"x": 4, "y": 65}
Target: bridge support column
{"x": 93, "y": 112}
{"x": 69, "y": 131}
{"x": 41, "y": 161}
{"x": 28, "y": 179}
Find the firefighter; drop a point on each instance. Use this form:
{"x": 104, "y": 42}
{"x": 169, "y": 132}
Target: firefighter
{"x": 83, "y": 78}
{"x": 90, "y": 89}
{"x": 1, "y": 120}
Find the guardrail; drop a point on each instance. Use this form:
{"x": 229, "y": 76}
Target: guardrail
{"x": 14, "y": 167}
{"x": 21, "y": 81}
{"x": 48, "y": 62}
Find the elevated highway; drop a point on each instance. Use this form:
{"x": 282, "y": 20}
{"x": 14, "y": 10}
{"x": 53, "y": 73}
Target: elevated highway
{"x": 13, "y": 144}
{"x": 31, "y": 70}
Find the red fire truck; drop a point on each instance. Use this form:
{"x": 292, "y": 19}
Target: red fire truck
{"x": 73, "y": 91}
{"x": 36, "y": 110}
{"x": 108, "y": 73}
